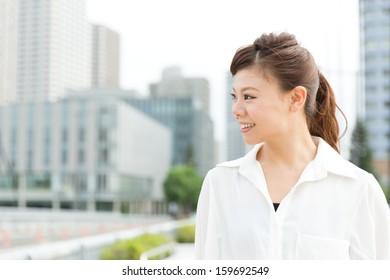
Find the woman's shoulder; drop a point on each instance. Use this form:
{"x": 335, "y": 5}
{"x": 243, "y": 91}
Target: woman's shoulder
{"x": 362, "y": 180}
{"x": 337, "y": 164}
{"x": 346, "y": 168}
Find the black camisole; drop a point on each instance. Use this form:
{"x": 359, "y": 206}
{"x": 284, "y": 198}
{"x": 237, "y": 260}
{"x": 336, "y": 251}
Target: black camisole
{"x": 276, "y": 205}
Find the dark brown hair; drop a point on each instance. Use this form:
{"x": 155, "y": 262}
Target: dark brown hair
{"x": 281, "y": 57}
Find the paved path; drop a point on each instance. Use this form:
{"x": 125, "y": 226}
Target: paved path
{"x": 183, "y": 252}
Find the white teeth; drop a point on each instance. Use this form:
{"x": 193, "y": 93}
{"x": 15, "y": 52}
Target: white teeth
{"x": 246, "y": 125}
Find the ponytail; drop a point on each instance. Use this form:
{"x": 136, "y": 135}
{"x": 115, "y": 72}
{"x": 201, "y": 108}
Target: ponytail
{"x": 323, "y": 122}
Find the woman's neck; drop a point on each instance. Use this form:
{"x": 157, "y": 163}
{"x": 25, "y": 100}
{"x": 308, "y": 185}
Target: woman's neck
{"x": 296, "y": 149}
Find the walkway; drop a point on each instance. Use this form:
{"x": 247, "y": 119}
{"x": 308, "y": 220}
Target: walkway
{"x": 183, "y": 252}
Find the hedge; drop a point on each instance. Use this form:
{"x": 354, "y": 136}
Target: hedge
{"x": 186, "y": 234}
{"x": 133, "y": 248}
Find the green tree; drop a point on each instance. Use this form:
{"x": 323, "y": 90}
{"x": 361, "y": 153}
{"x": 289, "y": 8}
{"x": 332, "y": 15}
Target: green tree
{"x": 361, "y": 154}
{"x": 182, "y": 186}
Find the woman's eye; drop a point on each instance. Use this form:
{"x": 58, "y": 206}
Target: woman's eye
{"x": 234, "y": 97}
{"x": 247, "y": 97}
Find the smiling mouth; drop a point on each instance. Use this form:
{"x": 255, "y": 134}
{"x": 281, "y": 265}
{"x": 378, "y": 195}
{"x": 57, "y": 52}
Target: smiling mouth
{"x": 247, "y": 125}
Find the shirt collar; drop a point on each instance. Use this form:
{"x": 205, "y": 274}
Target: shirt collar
{"x": 327, "y": 160}
{"x": 332, "y": 161}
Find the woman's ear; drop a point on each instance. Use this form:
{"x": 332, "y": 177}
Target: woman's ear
{"x": 297, "y": 98}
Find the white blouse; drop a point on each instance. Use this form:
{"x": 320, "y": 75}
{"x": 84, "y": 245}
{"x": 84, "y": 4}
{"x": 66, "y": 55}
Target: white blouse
{"x": 335, "y": 211}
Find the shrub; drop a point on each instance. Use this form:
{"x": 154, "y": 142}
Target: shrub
{"x": 133, "y": 248}
{"x": 186, "y": 234}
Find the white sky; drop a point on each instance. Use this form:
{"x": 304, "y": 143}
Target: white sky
{"x": 201, "y": 36}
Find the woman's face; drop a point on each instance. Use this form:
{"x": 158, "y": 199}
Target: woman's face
{"x": 259, "y": 106}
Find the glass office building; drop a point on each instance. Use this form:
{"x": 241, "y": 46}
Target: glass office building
{"x": 375, "y": 46}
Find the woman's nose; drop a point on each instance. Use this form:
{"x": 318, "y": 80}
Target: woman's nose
{"x": 238, "y": 109}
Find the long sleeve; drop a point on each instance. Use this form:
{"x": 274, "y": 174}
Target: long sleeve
{"x": 370, "y": 227}
{"x": 207, "y": 233}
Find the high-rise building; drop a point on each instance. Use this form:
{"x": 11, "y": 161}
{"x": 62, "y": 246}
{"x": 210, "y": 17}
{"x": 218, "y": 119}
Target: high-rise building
{"x": 8, "y": 54}
{"x": 182, "y": 103}
{"x": 235, "y": 146}
{"x": 83, "y": 152}
{"x": 375, "y": 47}
{"x": 54, "y": 48}
{"x": 192, "y": 128}
{"x": 105, "y": 58}
{"x": 174, "y": 84}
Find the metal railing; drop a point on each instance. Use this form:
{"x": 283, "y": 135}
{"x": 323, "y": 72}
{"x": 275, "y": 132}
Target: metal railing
{"x": 159, "y": 251}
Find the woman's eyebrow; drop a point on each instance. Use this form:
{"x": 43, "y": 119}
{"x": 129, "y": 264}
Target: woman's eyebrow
{"x": 247, "y": 88}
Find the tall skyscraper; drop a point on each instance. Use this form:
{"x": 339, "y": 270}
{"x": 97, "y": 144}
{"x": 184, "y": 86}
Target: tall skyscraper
{"x": 8, "y": 54}
{"x": 54, "y": 48}
{"x": 105, "y": 58}
{"x": 375, "y": 46}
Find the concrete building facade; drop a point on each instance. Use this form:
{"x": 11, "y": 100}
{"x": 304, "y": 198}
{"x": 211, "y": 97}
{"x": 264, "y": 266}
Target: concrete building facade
{"x": 81, "y": 152}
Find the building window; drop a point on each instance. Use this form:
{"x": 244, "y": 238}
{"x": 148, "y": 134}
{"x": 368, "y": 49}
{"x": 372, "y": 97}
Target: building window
{"x": 64, "y": 157}
{"x": 64, "y": 135}
{"x": 103, "y": 156}
{"x": 81, "y": 157}
{"x": 103, "y": 135}
{"x": 46, "y": 148}
{"x": 41, "y": 181}
{"x": 80, "y": 182}
{"x": 101, "y": 183}
{"x": 30, "y": 159}
{"x": 81, "y": 134}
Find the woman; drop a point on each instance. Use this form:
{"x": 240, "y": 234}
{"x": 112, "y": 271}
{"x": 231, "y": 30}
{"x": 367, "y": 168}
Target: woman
{"x": 293, "y": 196}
